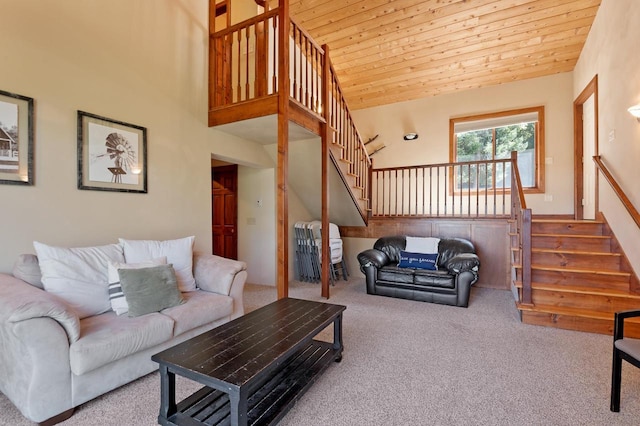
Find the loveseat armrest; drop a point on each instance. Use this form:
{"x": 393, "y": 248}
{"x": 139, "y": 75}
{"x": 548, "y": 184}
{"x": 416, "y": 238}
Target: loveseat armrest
{"x": 221, "y": 275}
{"x": 372, "y": 257}
{"x": 463, "y": 262}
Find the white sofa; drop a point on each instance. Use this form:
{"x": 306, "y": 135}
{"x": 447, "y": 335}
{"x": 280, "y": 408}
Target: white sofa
{"x": 52, "y": 359}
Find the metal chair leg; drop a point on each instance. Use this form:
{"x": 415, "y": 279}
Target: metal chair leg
{"x": 616, "y": 378}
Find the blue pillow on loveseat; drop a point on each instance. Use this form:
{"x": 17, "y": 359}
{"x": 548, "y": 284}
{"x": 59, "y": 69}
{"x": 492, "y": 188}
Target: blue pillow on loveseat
{"x": 418, "y": 260}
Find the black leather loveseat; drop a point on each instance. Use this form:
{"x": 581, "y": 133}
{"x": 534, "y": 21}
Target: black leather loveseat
{"x": 457, "y": 269}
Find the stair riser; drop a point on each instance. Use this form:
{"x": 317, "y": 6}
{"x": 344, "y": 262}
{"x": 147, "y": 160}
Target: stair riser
{"x": 572, "y": 260}
{"x": 580, "y": 279}
{"x": 584, "y": 244}
{"x": 568, "y": 322}
{"x": 581, "y": 228}
{"x": 593, "y": 302}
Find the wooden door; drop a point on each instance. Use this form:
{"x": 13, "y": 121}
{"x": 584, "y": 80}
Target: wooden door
{"x": 224, "y": 201}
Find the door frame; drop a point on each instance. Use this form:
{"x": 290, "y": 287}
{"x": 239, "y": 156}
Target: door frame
{"x": 578, "y": 141}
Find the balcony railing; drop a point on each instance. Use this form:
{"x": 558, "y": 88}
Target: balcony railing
{"x": 244, "y": 67}
{"x": 469, "y": 189}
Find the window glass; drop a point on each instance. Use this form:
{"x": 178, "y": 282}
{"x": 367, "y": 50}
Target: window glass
{"x": 494, "y": 137}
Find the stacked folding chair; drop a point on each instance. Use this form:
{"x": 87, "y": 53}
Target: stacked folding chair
{"x": 307, "y": 257}
{"x": 309, "y": 252}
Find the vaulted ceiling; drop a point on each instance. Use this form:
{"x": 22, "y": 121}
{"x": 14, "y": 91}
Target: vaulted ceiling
{"x": 387, "y": 51}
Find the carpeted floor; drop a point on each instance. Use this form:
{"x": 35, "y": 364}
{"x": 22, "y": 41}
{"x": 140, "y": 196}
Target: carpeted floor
{"x": 414, "y": 363}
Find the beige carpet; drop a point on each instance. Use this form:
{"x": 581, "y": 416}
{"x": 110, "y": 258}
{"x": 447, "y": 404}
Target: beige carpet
{"x": 414, "y": 363}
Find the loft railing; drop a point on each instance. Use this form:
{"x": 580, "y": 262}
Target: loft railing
{"x": 244, "y": 61}
{"x": 468, "y": 189}
{"x": 520, "y": 231}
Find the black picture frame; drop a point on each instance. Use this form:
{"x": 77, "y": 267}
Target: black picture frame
{"x": 16, "y": 139}
{"x": 112, "y": 154}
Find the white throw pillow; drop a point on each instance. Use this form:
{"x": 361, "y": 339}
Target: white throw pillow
{"x": 427, "y": 245}
{"x": 178, "y": 252}
{"x": 116, "y": 295}
{"x": 78, "y": 275}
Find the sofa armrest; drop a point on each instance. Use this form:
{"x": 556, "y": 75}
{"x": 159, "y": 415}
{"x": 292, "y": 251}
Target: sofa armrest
{"x": 463, "y": 262}
{"x": 220, "y": 275}
{"x": 36, "y": 329}
{"x": 20, "y": 301}
{"x": 372, "y": 257}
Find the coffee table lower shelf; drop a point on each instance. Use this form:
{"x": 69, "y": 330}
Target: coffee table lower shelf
{"x": 270, "y": 401}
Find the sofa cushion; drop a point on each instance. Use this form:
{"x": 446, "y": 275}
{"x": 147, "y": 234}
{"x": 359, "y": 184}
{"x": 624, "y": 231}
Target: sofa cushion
{"x": 178, "y": 252}
{"x": 395, "y": 274}
{"x": 434, "y": 278}
{"x": 106, "y": 338}
{"x": 116, "y": 295}
{"x": 418, "y": 260}
{"x": 78, "y": 275}
{"x": 201, "y": 307}
{"x": 150, "y": 289}
{"x": 27, "y": 269}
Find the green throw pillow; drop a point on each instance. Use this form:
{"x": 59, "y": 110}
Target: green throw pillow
{"x": 150, "y": 289}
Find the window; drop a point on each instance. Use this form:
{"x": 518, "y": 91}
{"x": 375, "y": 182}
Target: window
{"x": 476, "y": 139}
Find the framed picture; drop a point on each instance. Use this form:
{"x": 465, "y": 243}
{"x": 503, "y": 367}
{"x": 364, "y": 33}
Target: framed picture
{"x": 112, "y": 155}
{"x": 16, "y": 139}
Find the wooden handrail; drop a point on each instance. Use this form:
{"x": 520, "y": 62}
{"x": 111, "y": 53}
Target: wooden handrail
{"x": 445, "y": 164}
{"x": 617, "y": 189}
{"x": 464, "y": 189}
{"x": 515, "y": 173}
{"x": 246, "y": 23}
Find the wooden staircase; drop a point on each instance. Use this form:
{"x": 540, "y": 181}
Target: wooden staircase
{"x": 578, "y": 278}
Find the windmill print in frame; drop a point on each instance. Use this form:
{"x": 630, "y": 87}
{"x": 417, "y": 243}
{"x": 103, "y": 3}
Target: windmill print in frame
{"x": 112, "y": 155}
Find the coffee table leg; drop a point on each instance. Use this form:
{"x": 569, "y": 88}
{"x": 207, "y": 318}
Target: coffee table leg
{"x": 167, "y": 393}
{"x": 337, "y": 336}
{"x": 238, "y": 406}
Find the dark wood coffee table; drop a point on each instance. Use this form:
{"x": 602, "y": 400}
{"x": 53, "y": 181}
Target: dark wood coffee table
{"x": 254, "y": 368}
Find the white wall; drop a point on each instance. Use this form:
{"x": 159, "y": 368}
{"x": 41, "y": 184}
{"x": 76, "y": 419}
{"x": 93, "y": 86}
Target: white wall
{"x": 429, "y": 117}
{"x": 138, "y": 61}
{"x": 611, "y": 52}
{"x": 256, "y": 223}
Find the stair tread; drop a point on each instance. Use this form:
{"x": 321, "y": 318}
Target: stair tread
{"x": 597, "y": 222}
{"x": 568, "y": 251}
{"x": 569, "y": 288}
{"x": 598, "y": 237}
{"x": 577, "y": 270}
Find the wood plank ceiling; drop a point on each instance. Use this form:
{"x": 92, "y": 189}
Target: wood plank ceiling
{"x": 388, "y": 51}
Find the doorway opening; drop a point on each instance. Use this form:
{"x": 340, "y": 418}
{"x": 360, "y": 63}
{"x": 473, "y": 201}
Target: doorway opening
{"x": 585, "y": 128}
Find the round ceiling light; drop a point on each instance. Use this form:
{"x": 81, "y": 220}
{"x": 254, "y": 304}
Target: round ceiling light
{"x": 410, "y": 136}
